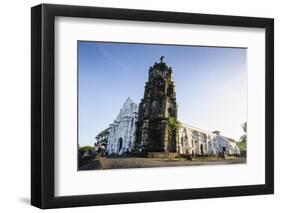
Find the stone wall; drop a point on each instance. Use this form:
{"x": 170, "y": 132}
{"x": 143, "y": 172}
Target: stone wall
{"x": 121, "y": 137}
{"x": 155, "y": 132}
{"x": 196, "y": 141}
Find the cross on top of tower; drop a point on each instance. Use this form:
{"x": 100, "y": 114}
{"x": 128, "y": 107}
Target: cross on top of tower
{"x": 161, "y": 59}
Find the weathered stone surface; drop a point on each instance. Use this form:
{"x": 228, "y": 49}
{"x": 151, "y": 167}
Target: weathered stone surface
{"x": 168, "y": 155}
{"x": 193, "y": 140}
{"x": 154, "y": 131}
{"x": 102, "y": 139}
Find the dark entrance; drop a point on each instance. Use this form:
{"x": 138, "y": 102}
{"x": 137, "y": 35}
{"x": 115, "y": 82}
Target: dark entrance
{"x": 223, "y": 152}
{"x": 202, "y": 150}
{"x": 120, "y": 142}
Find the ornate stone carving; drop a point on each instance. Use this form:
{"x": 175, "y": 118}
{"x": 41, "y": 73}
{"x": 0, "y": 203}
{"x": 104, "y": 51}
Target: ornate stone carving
{"x": 158, "y": 112}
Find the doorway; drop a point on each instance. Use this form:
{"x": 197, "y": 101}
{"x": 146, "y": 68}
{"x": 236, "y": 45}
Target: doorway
{"x": 202, "y": 150}
{"x": 120, "y": 143}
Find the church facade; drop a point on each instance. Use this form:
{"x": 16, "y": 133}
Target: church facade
{"x": 153, "y": 126}
{"x": 121, "y": 137}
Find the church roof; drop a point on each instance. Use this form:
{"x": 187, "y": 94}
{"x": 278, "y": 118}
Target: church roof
{"x": 203, "y": 131}
{"x": 197, "y": 129}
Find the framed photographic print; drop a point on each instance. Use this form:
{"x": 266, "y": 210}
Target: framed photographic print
{"x": 139, "y": 106}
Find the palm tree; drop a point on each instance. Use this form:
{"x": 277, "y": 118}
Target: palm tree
{"x": 243, "y": 138}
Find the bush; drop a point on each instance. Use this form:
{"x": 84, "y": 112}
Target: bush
{"x": 173, "y": 123}
{"x": 86, "y": 148}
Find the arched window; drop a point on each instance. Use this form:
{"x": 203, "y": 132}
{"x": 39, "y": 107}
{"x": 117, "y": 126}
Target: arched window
{"x": 120, "y": 144}
{"x": 132, "y": 123}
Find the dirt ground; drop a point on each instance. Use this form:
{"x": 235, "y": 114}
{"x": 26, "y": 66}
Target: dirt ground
{"x": 121, "y": 163}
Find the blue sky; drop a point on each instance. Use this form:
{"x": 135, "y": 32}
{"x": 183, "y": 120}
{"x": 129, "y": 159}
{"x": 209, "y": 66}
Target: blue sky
{"x": 210, "y": 82}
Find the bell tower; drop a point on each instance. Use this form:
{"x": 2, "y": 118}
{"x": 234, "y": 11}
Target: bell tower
{"x": 157, "y": 125}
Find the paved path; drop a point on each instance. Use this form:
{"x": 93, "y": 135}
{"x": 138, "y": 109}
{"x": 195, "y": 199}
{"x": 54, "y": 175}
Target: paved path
{"x": 119, "y": 163}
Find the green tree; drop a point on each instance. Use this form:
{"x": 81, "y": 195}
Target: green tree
{"x": 243, "y": 139}
{"x": 86, "y": 148}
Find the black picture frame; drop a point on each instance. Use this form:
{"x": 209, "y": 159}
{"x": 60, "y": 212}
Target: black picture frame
{"x": 43, "y": 102}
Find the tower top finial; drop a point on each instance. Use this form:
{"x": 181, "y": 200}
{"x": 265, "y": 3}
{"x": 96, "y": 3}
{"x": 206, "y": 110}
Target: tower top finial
{"x": 161, "y": 59}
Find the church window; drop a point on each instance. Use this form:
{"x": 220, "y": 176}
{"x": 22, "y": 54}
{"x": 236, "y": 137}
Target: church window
{"x": 132, "y": 123}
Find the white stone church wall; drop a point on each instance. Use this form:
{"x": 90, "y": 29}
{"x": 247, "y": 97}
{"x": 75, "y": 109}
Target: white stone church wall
{"x": 193, "y": 140}
{"x": 121, "y": 137}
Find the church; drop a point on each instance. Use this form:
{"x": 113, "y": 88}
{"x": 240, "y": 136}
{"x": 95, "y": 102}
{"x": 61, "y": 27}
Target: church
{"x": 121, "y": 137}
{"x": 152, "y": 126}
